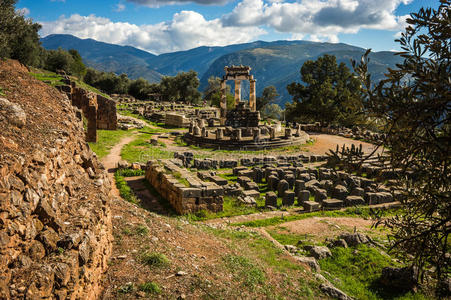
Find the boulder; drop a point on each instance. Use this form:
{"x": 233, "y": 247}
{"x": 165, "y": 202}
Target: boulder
{"x": 318, "y": 252}
{"x": 333, "y": 292}
{"x": 13, "y": 112}
{"x": 354, "y": 239}
{"x": 404, "y": 279}
{"x": 309, "y": 261}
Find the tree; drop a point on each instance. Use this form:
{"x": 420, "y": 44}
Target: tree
{"x": 182, "y": 87}
{"x": 272, "y": 111}
{"x": 415, "y": 100}
{"x": 212, "y": 93}
{"x": 269, "y": 95}
{"x": 58, "y": 60}
{"x": 331, "y": 94}
{"x": 19, "y": 37}
{"x": 77, "y": 67}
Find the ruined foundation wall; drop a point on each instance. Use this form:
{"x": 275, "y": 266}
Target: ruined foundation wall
{"x": 184, "y": 199}
{"x": 55, "y": 218}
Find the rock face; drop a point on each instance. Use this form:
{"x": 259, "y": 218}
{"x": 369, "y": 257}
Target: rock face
{"x": 55, "y": 222}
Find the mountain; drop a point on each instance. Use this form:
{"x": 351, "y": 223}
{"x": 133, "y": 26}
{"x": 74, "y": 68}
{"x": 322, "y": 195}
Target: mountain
{"x": 280, "y": 64}
{"x": 275, "y": 63}
{"x": 107, "y": 57}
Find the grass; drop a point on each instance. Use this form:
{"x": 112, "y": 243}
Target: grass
{"x": 130, "y": 172}
{"x": 2, "y": 92}
{"x": 348, "y": 212}
{"x": 358, "y": 270}
{"x": 124, "y": 190}
{"x": 154, "y": 259}
{"x": 181, "y": 179}
{"x": 140, "y": 150}
{"x": 246, "y": 272}
{"x": 106, "y": 139}
{"x": 231, "y": 207}
{"x": 54, "y": 79}
{"x": 257, "y": 263}
{"x": 150, "y": 288}
{"x": 289, "y": 239}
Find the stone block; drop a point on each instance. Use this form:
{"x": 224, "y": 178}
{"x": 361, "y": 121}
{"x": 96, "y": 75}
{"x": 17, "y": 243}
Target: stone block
{"x": 282, "y": 186}
{"x": 354, "y": 200}
{"x": 340, "y": 192}
{"x": 320, "y": 195}
{"x": 288, "y": 198}
{"x": 330, "y": 204}
{"x": 251, "y": 193}
{"x": 303, "y": 196}
{"x": 299, "y": 185}
{"x": 271, "y": 199}
{"x": 310, "y": 206}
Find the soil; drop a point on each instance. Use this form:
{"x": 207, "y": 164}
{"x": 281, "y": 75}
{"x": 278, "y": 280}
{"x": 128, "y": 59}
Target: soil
{"x": 324, "y": 227}
{"x": 324, "y": 142}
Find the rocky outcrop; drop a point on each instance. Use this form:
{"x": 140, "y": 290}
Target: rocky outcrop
{"x": 55, "y": 220}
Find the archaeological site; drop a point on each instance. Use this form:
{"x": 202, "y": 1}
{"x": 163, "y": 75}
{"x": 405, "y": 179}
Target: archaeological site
{"x": 280, "y": 169}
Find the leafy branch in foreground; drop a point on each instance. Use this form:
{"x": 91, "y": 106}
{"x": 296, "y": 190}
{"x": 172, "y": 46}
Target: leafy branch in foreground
{"x": 414, "y": 100}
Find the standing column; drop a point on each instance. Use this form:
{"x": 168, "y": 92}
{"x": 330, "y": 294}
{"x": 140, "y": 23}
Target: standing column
{"x": 252, "y": 95}
{"x": 237, "y": 91}
{"x": 223, "y": 103}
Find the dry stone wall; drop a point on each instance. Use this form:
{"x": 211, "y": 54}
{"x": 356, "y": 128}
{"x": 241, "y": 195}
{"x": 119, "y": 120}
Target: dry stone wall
{"x": 199, "y": 195}
{"x": 55, "y": 219}
{"x": 98, "y": 110}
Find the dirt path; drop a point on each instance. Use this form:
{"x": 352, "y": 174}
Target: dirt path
{"x": 324, "y": 142}
{"x": 110, "y": 161}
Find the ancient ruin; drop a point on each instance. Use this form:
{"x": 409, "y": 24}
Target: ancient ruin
{"x": 99, "y": 111}
{"x": 240, "y": 128}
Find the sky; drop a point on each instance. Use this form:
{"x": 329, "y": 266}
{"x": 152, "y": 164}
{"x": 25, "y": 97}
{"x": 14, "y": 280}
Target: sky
{"x": 161, "y": 26}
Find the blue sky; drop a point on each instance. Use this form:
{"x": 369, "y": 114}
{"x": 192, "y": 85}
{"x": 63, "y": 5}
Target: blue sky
{"x": 161, "y": 26}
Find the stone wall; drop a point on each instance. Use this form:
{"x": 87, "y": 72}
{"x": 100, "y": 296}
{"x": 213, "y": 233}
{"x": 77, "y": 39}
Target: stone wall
{"x": 176, "y": 120}
{"x": 242, "y": 116}
{"x": 184, "y": 199}
{"x": 55, "y": 218}
{"x": 99, "y": 111}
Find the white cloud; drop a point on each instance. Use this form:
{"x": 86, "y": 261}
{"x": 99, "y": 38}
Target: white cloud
{"x": 321, "y": 19}
{"x": 158, "y": 3}
{"x": 23, "y": 11}
{"x": 186, "y": 30}
{"x": 119, "y": 7}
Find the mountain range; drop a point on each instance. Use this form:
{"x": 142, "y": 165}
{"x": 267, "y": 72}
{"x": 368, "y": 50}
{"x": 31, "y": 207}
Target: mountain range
{"x": 275, "y": 63}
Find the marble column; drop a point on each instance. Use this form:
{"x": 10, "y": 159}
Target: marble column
{"x": 252, "y": 95}
{"x": 237, "y": 91}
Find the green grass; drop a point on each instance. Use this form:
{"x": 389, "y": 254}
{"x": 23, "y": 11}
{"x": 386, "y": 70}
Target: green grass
{"x": 289, "y": 239}
{"x": 2, "y": 92}
{"x": 55, "y": 80}
{"x": 124, "y": 190}
{"x": 106, "y": 139}
{"x": 154, "y": 259}
{"x": 245, "y": 271}
{"x": 150, "y": 288}
{"x": 231, "y": 207}
{"x": 181, "y": 179}
{"x": 130, "y": 172}
{"x": 140, "y": 150}
{"x": 257, "y": 255}
{"x": 358, "y": 270}
{"x": 349, "y": 212}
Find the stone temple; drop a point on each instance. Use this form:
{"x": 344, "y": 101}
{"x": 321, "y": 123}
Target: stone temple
{"x": 241, "y": 127}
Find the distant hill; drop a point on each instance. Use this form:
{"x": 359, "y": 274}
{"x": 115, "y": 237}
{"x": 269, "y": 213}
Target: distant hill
{"x": 273, "y": 63}
{"x": 280, "y": 65}
{"x": 106, "y": 57}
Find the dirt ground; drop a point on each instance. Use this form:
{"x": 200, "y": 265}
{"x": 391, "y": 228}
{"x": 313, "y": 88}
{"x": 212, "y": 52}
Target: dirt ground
{"x": 324, "y": 227}
{"x": 324, "y": 142}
